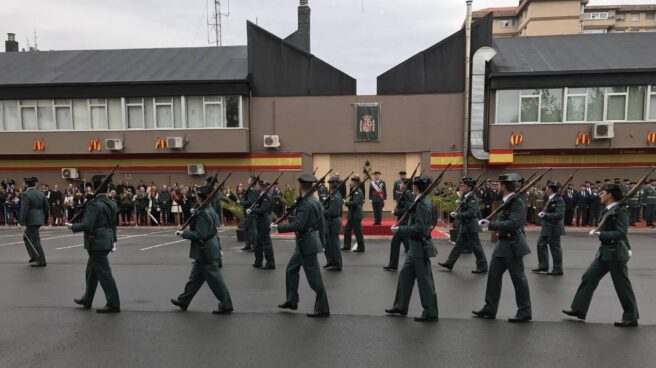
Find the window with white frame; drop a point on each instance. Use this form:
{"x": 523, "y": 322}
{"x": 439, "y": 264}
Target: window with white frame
{"x": 529, "y": 106}
{"x": 213, "y": 111}
{"x": 634, "y": 17}
{"x": 650, "y": 16}
{"x": 63, "y": 114}
{"x": 134, "y": 113}
{"x": 620, "y": 17}
{"x": 27, "y": 114}
{"x": 576, "y": 99}
{"x": 98, "y": 113}
{"x": 616, "y": 102}
{"x": 504, "y": 23}
{"x": 163, "y": 108}
{"x": 595, "y": 16}
{"x": 652, "y": 102}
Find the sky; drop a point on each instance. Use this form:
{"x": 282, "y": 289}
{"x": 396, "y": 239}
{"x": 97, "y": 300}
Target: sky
{"x": 363, "y": 38}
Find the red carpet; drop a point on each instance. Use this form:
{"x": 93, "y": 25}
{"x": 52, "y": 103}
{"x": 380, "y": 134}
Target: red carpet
{"x": 368, "y": 228}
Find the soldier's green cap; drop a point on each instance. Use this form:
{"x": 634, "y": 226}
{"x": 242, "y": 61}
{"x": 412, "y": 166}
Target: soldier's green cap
{"x": 403, "y": 173}
{"x": 307, "y": 178}
{"x": 553, "y": 184}
{"x": 511, "y": 177}
{"x": 265, "y": 183}
{"x": 31, "y": 179}
{"x": 377, "y": 173}
{"x": 334, "y": 180}
{"x": 611, "y": 187}
{"x": 422, "y": 180}
{"x": 355, "y": 178}
{"x": 204, "y": 191}
{"x": 96, "y": 180}
{"x": 468, "y": 181}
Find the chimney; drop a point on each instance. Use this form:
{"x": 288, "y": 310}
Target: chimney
{"x": 11, "y": 45}
{"x": 301, "y": 38}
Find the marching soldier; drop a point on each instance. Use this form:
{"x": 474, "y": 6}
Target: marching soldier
{"x": 33, "y": 210}
{"x": 333, "y": 218}
{"x": 553, "y": 227}
{"x": 397, "y": 191}
{"x": 310, "y": 239}
{"x": 322, "y": 191}
{"x": 205, "y": 250}
{"x": 467, "y": 214}
{"x": 508, "y": 253}
{"x": 403, "y": 202}
{"x": 417, "y": 264}
{"x": 612, "y": 256}
{"x": 99, "y": 227}
{"x": 354, "y": 217}
{"x": 650, "y": 202}
{"x": 250, "y": 226}
{"x": 377, "y": 196}
{"x": 262, "y": 213}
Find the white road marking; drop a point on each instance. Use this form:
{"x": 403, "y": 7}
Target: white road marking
{"x": 119, "y": 238}
{"x": 55, "y": 237}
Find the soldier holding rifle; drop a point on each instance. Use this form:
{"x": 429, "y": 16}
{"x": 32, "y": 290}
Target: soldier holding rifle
{"x": 354, "y": 216}
{"x": 333, "y": 216}
{"x": 553, "y": 226}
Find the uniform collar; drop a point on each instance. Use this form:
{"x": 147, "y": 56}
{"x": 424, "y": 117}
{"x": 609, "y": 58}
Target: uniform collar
{"x": 551, "y": 196}
{"x": 611, "y": 205}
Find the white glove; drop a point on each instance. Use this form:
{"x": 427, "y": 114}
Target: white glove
{"x": 392, "y": 212}
{"x": 273, "y": 227}
{"x": 535, "y": 208}
{"x": 68, "y": 225}
{"x": 20, "y": 227}
{"x": 114, "y": 247}
{"x": 541, "y": 214}
{"x": 630, "y": 253}
{"x": 453, "y": 214}
{"x": 192, "y": 210}
{"x": 394, "y": 229}
{"x": 457, "y": 201}
{"x": 594, "y": 232}
{"x": 248, "y": 211}
{"x": 178, "y": 233}
{"x": 483, "y": 222}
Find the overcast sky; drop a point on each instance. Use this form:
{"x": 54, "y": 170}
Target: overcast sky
{"x": 363, "y": 38}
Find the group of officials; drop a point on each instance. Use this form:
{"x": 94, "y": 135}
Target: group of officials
{"x": 317, "y": 224}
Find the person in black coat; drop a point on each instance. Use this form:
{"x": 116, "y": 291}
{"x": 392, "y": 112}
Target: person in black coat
{"x": 570, "y": 205}
{"x": 582, "y": 206}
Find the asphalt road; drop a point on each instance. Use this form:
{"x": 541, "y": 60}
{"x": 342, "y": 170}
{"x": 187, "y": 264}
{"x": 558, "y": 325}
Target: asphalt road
{"x": 41, "y": 327}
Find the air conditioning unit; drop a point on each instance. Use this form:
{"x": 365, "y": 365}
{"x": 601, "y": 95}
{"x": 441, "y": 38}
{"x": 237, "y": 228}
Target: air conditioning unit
{"x": 114, "y": 144}
{"x": 175, "y": 142}
{"x": 603, "y": 131}
{"x": 271, "y": 141}
{"x": 69, "y": 173}
{"x": 195, "y": 169}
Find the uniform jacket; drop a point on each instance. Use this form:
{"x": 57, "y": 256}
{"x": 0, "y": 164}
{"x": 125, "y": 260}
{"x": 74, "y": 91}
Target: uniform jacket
{"x": 403, "y": 202}
{"x": 249, "y": 198}
{"x": 469, "y": 212}
{"x": 650, "y": 196}
{"x": 509, "y": 226}
{"x": 308, "y": 225}
{"x": 396, "y": 190}
{"x": 553, "y": 223}
{"x": 418, "y": 231}
{"x": 262, "y": 212}
{"x": 375, "y": 196}
{"x": 205, "y": 244}
{"x": 333, "y": 213}
{"x": 354, "y": 205}
{"x": 98, "y": 224}
{"x": 613, "y": 236}
{"x": 34, "y": 206}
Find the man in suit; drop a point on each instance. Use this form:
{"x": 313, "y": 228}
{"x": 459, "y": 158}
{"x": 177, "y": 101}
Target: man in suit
{"x": 508, "y": 253}
{"x": 310, "y": 239}
{"x": 595, "y": 207}
{"x": 262, "y": 212}
{"x": 582, "y": 206}
{"x": 396, "y": 191}
{"x": 570, "y": 205}
{"x": 403, "y": 203}
{"x": 417, "y": 264}
{"x": 468, "y": 213}
{"x": 354, "y": 217}
{"x": 333, "y": 218}
{"x": 205, "y": 250}
{"x": 33, "y": 210}
{"x": 377, "y": 196}
{"x": 552, "y": 228}
{"x": 250, "y": 226}
{"x": 99, "y": 227}
{"x": 612, "y": 256}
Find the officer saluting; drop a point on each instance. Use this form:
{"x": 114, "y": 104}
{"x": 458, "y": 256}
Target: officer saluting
{"x": 333, "y": 217}
{"x": 417, "y": 264}
{"x": 553, "y": 226}
{"x": 310, "y": 238}
{"x": 205, "y": 250}
{"x": 34, "y": 206}
{"x": 99, "y": 227}
{"x": 508, "y": 253}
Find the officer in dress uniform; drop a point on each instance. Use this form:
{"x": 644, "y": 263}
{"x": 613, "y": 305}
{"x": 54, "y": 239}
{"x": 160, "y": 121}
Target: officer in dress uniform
{"x": 33, "y": 210}
{"x": 468, "y": 213}
{"x": 553, "y": 227}
{"x": 417, "y": 264}
{"x": 354, "y": 217}
{"x": 650, "y": 202}
{"x": 403, "y": 202}
{"x": 508, "y": 253}
{"x": 99, "y": 227}
{"x": 377, "y": 196}
{"x": 205, "y": 250}
{"x": 612, "y": 256}
{"x": 310, "y": 239}
{"x": 333, "y": 218}
{"x": 262, "y": 213}
{"x": 250, "y": 226}
{"x": 396, "y": 190}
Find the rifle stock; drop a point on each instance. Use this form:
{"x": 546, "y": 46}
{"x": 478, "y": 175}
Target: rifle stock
{"x": 313, "y": 189}
{"x": 102, "y": 188}
{"x": 521, "y": 190}
{"x": 423, "y": 195}
{"x": 337, "y": 190}
{"x": 205, "y": 203}
{"x": 259, "y": 197}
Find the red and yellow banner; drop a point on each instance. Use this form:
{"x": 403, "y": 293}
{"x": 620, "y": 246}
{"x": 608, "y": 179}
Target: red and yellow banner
{"x": 38, "y": 145}
{"x": 516, "y": 139}
{"x": 160, "y": 143}
{"x": 582, "y": 138}
{"x": 94, "y": 145}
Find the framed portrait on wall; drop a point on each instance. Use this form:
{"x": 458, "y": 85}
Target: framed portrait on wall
{"x": 367, "y": 122}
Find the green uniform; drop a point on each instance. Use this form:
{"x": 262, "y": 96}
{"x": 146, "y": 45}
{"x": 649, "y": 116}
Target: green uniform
{"x": 403, "y": 202}
{"x": 333, "y": 218}
{"x": 99, "y": 227}
{"x": 650, "y": 204}
{"x": 354, "y": 220}
{"x": 250, "y": 223}
{"x": 553, "y": 226}
{"x": 612, "y": 256}
{"x": 205, "y": 250}
{"x": 34, "y": 206}
{"x": 508, "y": 255}
{"x": 634, "y": 208}
{"x": 310, "y": 239}
{"x": 263, "y": 246}
{"x": 417, "y": 264}
{"x": 322, "y": 192}
{"x": 468, "y": 214}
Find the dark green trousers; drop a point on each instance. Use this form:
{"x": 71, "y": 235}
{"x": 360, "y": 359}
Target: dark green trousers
{"x": 395, "y": 250}
{"x": 201, "y": 272}
{"x": 416, "y": 269}
{"x": 619, "y": 273}
{"x": 333, "y": 255}
{"x": 468, "y": 241}
{"x": 515, "y": 266}
{"x": 310, "y": 264}
{"x": 250, "y": 227}
{"x": 263, "y": 248}
{"x": 98, "y": 271}
{"x": 32, "y": 241}
{"x": 545, "y": 243}
{"x": 356, "y": 227}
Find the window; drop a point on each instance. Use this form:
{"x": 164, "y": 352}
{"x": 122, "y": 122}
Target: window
{"x": 650, "y": 16}
{"x": 98, "y": 113}
{"x": 595, "y": 105}
{"x": 63, "y": 114}
{"x": 163, "y": 107}
{"x": 595, "y": 31}
{"x": 27, "y": 109}
{"x": 45, "y": 114}
{"x": 635, "y": 17}
{"x": 233, "y": 111}
{"x": 595, "y": 16}
{"x": 194, "y": 112}
{"x": 617, "y": 99}
{"x": 551, "y": 105}
{"x": 529, "y": 102}
{"x": 576, "y": 101}
{"x": 504, "y": 23}
{"x": 11, "y": 116}
{"x": 620, "y": 17}
{"x": 507, "y": 106}
{"x": 134, "y": 113}
{"x": 636, "y": 106}
{"x": 212, "y": 112}
{"x": 652, "y": 103}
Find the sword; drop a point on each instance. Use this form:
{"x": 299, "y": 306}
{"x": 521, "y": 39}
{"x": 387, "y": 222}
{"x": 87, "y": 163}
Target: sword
{"x": 152, "y": 217}
{"x": 31, "y": 244}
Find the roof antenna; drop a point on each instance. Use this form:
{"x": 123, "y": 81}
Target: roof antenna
{"x": 215, "y": 22}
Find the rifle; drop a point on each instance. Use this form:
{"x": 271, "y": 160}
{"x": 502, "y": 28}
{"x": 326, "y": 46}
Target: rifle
{"x": 625, "y": 199}
{"x": 102, "y": 188}
{"x": 562, "y": 189}
{"x": 315, "y": 170}
{"x": 336, "y": 190}
{"x": 423, "y": 195}
{"x": 313, "y": 189}
{"x": 367, "y": 177}
{"x": 261, "y": 196}
{"x": 205, "y": 203}
{"x": 519, "y": 191}
{"x": 257, "y": 178}
{"x": 213, "y": 181}
{"x": 414, "y": 172}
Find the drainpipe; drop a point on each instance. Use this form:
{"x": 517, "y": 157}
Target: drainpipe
{"x": 481, "y": 57}
{"x": 465, "y": 134}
